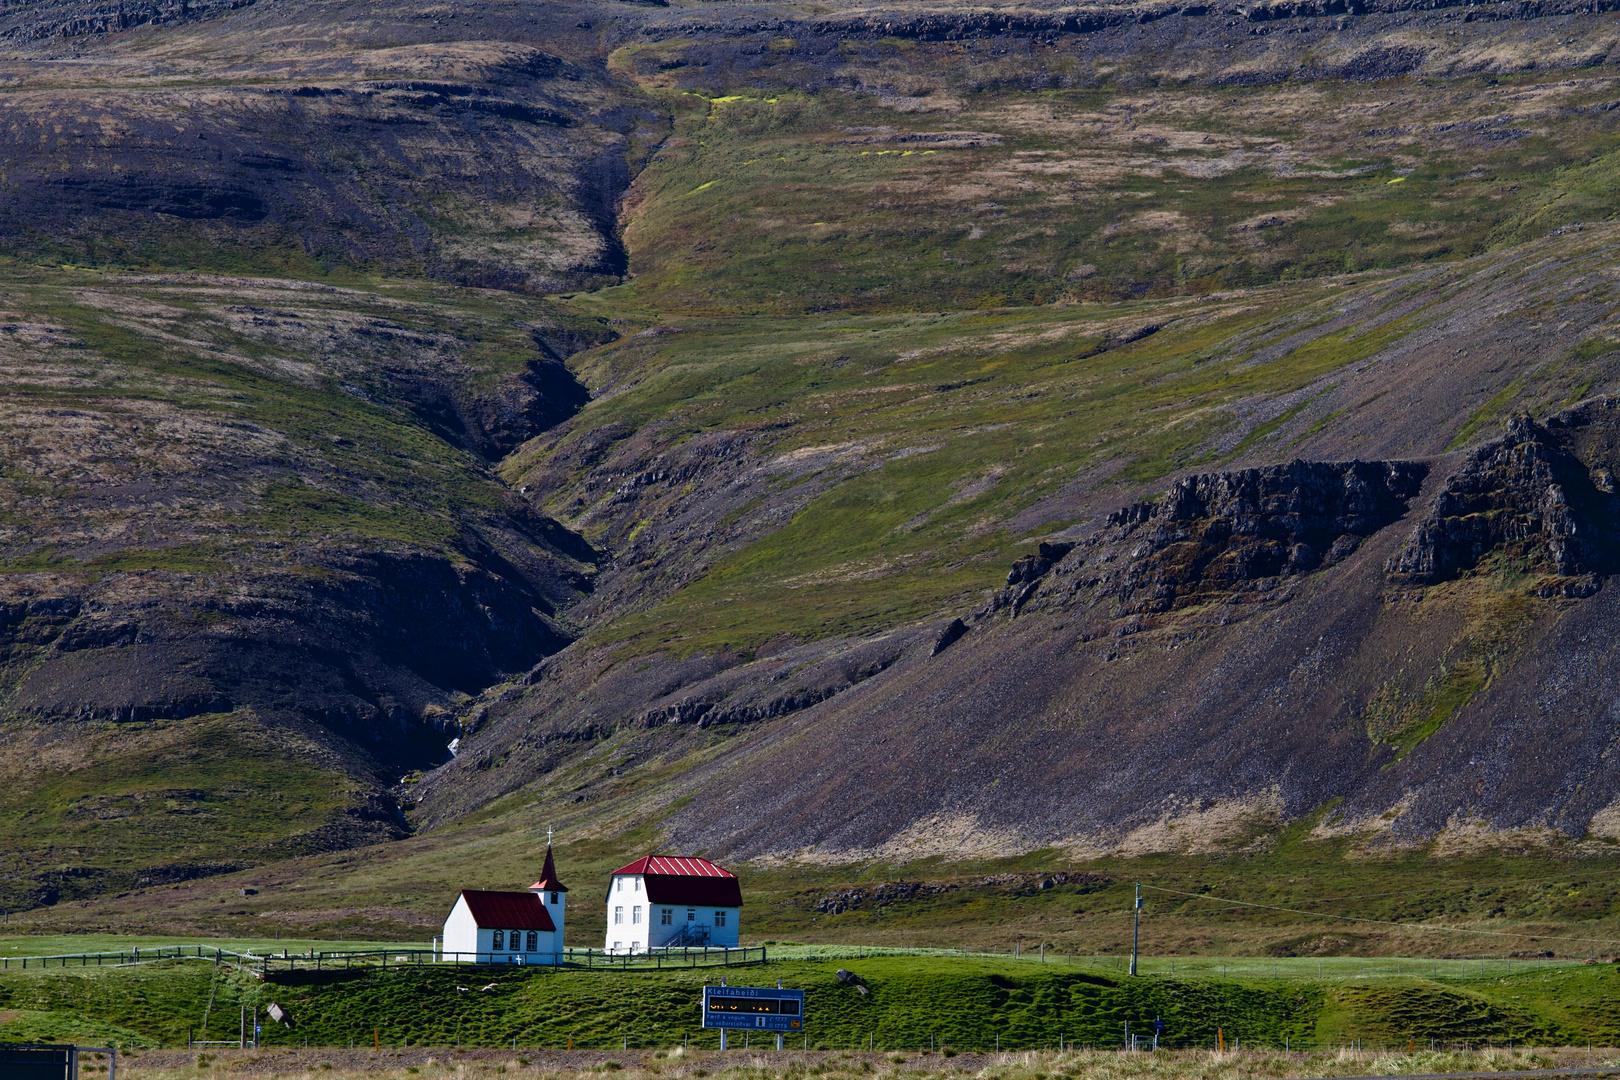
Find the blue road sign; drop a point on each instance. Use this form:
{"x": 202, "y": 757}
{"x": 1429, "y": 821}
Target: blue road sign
{"x": 757, "y": 1007}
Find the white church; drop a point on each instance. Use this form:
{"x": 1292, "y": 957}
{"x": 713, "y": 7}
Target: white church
{"x": 509, "y": 927}
{"x": 656, "y": 902}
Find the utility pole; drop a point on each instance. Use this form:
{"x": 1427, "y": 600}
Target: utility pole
{"x": 1136, "y": 926}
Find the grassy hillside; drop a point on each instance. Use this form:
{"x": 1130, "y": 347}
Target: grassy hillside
{"x": 908, "y": 455}
{"x": 784, "y": 201}
{"x": 964, "y": 1003}
{"x": 201, "y": 469}
{"x": 1316, "y": 901}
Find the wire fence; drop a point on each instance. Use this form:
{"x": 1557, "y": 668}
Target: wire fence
{"x": 321, "y": 960}
{"x": 1286, "y": 968}
{"x": 119, "y": 958}
{"x": 589, "y": 959}
{"x": 1131, "y": 1041}
{"x": 1472, "y": 966}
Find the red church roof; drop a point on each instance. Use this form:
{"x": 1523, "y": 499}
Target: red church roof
{"x": 507, "y": 910}
{"x": 689, "y": 881}
{"x": 548, "y": 877}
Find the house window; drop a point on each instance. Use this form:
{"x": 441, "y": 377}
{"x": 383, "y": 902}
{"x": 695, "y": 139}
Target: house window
{"x": 691, "y": 914}
{"x": 637, "y": 885}
{"x": 616, "y": 946}
{"x": 667, "y": 917}
{"x": 719, "y": 917}
{"x": 635, "y": 915}
{"x": 500, "y": 940}
{"x": 534, "y": 941}
{"x": 553, "y": 898}
{"x": 618, "y": 916}
{"x": 620, "y": 882}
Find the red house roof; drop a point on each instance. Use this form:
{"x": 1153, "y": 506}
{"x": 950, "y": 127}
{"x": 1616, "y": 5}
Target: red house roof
{"x": 548, "y": 877}
{"x": 507, "y": 910}
{"x": 689, "y": 881}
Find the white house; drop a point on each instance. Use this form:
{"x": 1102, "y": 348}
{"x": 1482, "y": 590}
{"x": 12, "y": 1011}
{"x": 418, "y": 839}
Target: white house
{"x": 659, "y": 902}
{"x": 509, "y": 927}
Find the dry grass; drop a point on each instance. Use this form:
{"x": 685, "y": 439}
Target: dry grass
{"x": 678, "y": 1064}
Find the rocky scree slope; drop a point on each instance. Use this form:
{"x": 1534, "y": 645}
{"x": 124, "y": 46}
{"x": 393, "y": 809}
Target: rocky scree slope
{"x": 1213, "y": 662}
{"x": 1049, "y": 44}
{"x": 1248, "y": 648}
{"x": 1394, "y": 369}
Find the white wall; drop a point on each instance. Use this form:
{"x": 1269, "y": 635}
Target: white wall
{"x": 556, "y": 906}
{"x": 626, "y": 914}
{"x": 460, "y": 931}
{"x": 626, "y": 932}
{"x": 468, "y": 942}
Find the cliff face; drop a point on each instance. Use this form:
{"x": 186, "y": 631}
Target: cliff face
{"x": 1216, "y": 536}
{"x": 1540, "y": 500}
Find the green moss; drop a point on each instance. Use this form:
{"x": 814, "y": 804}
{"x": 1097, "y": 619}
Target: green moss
{"x": 182, "y": 558}
{"x": 1487, "y": 413}
{"x": 1403, "y": 715}
{"x": 297, "y": 508}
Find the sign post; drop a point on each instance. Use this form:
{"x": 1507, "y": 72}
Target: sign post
{"x": 753, "y": 1008}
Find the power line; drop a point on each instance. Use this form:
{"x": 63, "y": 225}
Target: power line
{"x": 1384, "y": 922}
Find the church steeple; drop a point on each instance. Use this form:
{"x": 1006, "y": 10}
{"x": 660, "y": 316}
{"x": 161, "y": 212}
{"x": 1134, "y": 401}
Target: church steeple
{"x": 548, "y": 876}
{"x": 554, "y": 895}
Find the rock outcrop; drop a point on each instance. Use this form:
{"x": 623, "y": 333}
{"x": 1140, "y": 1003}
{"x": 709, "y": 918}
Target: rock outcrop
{"x": 1527, "y": 502}
{"x": 1218, "y": 535}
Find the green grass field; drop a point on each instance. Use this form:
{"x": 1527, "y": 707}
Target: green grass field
{"x": 966, "y": 1002}
{"x": 81, "y": 944}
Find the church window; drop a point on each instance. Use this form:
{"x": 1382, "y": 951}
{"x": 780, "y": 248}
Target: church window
{"x": 553, "y": 898}
{"x": 534, "y": 941}
{"x": 618, "y": 916}
{"x": 500, "y": 940}
{"x": 719, "y": 917}
{"x": 668, "y": 917}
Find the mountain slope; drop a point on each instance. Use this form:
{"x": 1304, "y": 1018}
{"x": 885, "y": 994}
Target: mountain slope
{"x": 868, "y": 333}
{"x": 228, "y": 525}
{"x": 1229, "y": 688}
